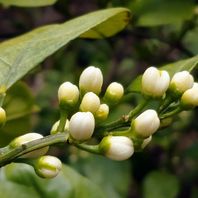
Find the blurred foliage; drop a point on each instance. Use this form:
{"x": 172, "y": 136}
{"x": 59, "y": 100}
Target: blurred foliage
{"x": 161, "y": 32}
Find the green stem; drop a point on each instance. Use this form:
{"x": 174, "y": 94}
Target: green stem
{"x": 125, "y": 120}
{"x": 63, "y": 118}
{"x": 169, "y": 114}
{"x": 89, "y": 148}
{"x": 165, "y": 104}
{"x": 138, "y": 108}
{"x": 12, "y": 153}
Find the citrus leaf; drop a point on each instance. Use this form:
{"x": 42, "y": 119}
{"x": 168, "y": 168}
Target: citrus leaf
{"x": 160, "y": 185}
{"x": 162, "y": 12}
{"x": 186, "y": 64}
{"x": 19, "y": 55}
{"x": 27, "y": 3}
{"x": 68, "y": 183}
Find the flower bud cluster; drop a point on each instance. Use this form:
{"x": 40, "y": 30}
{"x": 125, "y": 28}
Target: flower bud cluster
{"x": 87, "y": 103}
{"x": 156, "y": 82}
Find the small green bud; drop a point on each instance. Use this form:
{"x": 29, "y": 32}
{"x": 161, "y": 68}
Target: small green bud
{"x": 81, "y": 126}
{"x": 155, "y": 82}
{"x": 114, "y": 93}
{"x": 28, "y": 138}
{"x": 117, "y": 147}
{"x": 145, "y": 124}
{"x": 47, "y": 166}
{"x": 102, "y": 113}
{"x": 68, "y": 95}
{"x": 55, "y": 127}
{"x": 91, "y": 80}
{"x": 2, "y": 116}
{"x": 180, "y": 82}
{"x": 90, "y": 102}
{"x": 189, "y": 98}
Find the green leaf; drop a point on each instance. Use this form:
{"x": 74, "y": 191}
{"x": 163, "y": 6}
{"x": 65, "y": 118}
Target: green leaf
{"x": 19, "y": 55}
{"x": 162, "y": 12}
{"x": 190, "y": 41}
{"x": 160, "y": 185}
{"x": 187, "y": 64}
{"x": 115, "y": 175}
{"x": 27, "y": 3}
{"x": 19, "y": 104}
{"x": 68, "y": 184}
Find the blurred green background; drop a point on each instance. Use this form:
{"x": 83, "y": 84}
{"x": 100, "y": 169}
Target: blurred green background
{"x": 159, "y": 32}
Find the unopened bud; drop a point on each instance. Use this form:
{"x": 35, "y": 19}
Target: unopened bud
{"x": 180, "y": 82}
{"x": 155, "y": 82}
{"x": 47, "y": 166}
{"x": 68, "y": 95}
{"x": 117, "y": 147}
{"x": 145, "y": 124}
{"x": 55, "y": 127}
{"x": 81, "y": 125}
{"x": 146, "y": 142}
{"x": 91, "y": 80}
{"x": 189, "y": 98}
{"x": 90, "y": 102}
{"x": 102, "y": 113}
{"x": 28, "y": 138}
{"x": 2, "y": 116}
{"x": 114, "y": 93}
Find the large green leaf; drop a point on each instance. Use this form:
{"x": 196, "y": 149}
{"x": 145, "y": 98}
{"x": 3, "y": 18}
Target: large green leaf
{"x": 19, "y": 55}
{"x": 27, "y": 3}
{"x": 187, "y": 64}
{"x": 115, "y": 175}
{"x": 20, "y": 180}
{"x": 162, "y": 12}
{"x": 160, "y": 185}
{"x": 19, "y": 104}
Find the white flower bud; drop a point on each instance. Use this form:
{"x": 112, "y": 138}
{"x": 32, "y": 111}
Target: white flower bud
{"x": 146, "y": 142}
{"x": 91, "y": 80}
{"x": 180, "y": 82}
{"x": 68, "y": 94}
{"x": 189, "y": 98}
{"x": 146, "y": 124}
{"x": 90, "y": 102}
{"x": 2, "y": 116}
{"x": 155, "y": 82}
{"x": 81, "y": 125}
{"x": 114, "y": 93}
{"x": 102, "y": 113}
{"x": 28, "y": 137}
{"x": 117, "y": 147}
{"x": 47, "y": 166}
{"x": 55, "y": 127}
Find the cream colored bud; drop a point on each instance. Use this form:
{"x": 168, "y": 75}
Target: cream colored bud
{"x": 114, "y": 93}
{"x": 28, "y": 137}
{"x": 146, "y": 124}
{"x": 146, "y": 142}
{"x": 81, "y": 125}
{"x": 91, "y": 80}
{"x": 117, "y": 147}
{"x": 189, "y": 98}
{"x": 155, "y": 82}
{"x": 180, "y": 82}
{"x": 55, "y": 127}
{"x": 102, "y": 113}
{"x": 47, "y": 166}
{"x": 2, "y": 116}
{"x": 68, "y": 94}
{"x": 90, "y": 102}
